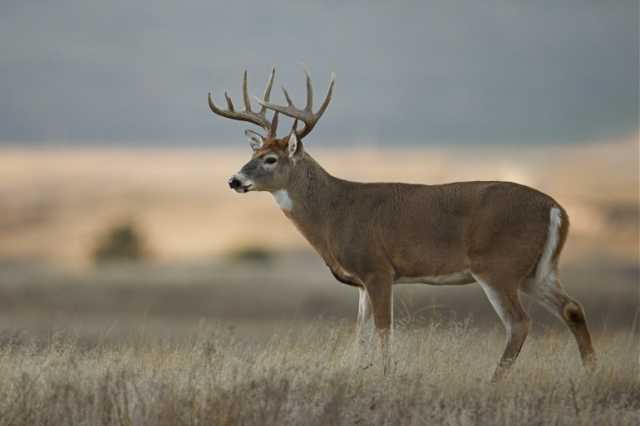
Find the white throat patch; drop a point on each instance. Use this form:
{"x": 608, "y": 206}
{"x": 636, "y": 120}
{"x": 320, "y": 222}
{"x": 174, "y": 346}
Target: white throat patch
{"x": 282, "y": 198}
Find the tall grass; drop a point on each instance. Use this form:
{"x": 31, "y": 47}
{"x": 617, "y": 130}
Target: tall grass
{"x": 315, "y": 375}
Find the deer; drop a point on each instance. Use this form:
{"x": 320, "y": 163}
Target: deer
{"x": 504, "y": 236}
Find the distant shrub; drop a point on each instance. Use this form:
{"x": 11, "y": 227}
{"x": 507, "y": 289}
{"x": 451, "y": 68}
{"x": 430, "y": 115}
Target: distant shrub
{"x": 123, "y": 242}
{"x": 252, "y": 254}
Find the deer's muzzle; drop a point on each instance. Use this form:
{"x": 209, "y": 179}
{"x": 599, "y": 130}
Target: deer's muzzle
{"x": 240, "y": 183}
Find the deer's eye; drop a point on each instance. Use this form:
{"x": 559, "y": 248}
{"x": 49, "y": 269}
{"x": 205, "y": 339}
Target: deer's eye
{"x": 270, "y": 160}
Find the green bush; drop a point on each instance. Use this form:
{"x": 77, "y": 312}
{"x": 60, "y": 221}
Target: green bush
{"x": 252, "y": 254}
{"x": 123, "y": 242}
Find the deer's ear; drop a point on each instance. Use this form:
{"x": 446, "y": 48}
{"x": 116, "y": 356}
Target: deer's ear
{"x": 294, "y": 146}
{"x": 255, "y": 140}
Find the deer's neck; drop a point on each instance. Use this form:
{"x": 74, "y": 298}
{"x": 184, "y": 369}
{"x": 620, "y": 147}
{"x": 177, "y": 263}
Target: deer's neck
{"x": 308, "y": 200}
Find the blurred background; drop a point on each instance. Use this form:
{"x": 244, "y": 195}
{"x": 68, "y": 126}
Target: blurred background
{"x": 114, "y": 207}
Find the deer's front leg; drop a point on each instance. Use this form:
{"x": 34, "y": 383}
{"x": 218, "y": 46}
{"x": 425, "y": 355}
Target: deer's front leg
{"x": 378, "y": 288}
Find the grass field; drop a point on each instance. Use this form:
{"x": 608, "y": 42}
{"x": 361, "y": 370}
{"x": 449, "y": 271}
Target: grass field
{"x": 236, "y": 343}
{"x": 315, "y": 375}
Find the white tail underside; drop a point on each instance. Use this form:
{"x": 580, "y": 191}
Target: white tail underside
{"x": 544, "y": 265}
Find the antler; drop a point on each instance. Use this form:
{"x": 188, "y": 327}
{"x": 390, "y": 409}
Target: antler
{"x": 306, "y": 115}
{"x": 257, "y": 118}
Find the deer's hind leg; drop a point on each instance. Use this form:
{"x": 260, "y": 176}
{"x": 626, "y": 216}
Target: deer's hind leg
{"x": 550, "y": 294}
{"x": 505, "y": 300}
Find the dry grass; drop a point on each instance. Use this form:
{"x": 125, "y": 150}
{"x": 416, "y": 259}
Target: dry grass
{"x": 315, "y": 375}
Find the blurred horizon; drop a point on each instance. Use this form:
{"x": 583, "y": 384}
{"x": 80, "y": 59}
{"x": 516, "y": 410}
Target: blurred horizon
{"x": 180, "y": 202}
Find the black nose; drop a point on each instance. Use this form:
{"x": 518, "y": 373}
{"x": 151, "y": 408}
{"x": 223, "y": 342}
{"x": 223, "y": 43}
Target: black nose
{"x": 234, "y": 183}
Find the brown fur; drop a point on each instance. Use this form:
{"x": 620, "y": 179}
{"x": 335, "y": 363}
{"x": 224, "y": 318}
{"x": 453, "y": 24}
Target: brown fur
{"x": 409, "y": 230}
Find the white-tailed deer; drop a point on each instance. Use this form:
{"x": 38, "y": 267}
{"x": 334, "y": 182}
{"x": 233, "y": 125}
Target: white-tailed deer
{"x": 504, "y": 236}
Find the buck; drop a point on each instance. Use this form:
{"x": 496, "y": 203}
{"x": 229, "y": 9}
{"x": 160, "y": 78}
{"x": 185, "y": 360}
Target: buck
{"x": 504, "y": 236}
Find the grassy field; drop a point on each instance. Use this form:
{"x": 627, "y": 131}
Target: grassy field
{"x": 235, "y": 343}
{"x": 315, "y": 375}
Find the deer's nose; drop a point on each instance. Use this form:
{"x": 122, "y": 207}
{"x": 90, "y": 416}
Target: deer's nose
{"x": 234, "y": 183}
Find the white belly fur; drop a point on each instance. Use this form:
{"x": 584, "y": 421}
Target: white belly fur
{"x": 463, "y": 277}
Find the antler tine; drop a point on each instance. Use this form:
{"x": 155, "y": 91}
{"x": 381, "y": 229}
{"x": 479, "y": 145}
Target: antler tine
{"x": 257, "y": 118}
{"x": 245, "y": 92}
{"x": 327, "y": 99}
{"x": 216, "y": 110}
{"x": 229, "y": 102}
{"x": 306, "y": 115}
{"x": 267, "y": 90}
{"x": 274, "y": 125}
{"x": 250, "y": 133}
{"x": 287, "y": 97}
{"x": 290, "y": 110}
{"x": 309, "y": 105}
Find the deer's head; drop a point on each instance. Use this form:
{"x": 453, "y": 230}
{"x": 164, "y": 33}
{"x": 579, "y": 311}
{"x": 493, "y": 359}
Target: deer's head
{"x": 273, "y": 158}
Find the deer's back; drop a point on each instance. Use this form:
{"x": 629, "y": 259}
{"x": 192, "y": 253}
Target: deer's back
{"x": 434, "y": 230}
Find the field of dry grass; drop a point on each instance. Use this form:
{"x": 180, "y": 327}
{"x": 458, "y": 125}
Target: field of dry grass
{"x": 315, "y": 375}
{"x": 240, "y": 343}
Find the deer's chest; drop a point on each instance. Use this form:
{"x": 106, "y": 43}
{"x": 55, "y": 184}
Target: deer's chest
{"x": 327, "y": 247}
{"x": 344, "y": 276}
{"x": 341, "y": 264}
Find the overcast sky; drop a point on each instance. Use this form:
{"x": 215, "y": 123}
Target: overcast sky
{"x": 450, "y": 71}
